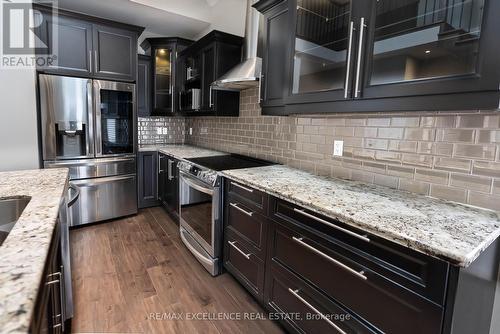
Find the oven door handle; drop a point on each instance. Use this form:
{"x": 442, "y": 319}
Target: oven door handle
{"x": 196, "y": 185}
{"x": 75, "y": 197}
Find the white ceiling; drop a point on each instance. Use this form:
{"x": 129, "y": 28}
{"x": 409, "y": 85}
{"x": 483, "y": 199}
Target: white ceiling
{"x": 170, "y": 18}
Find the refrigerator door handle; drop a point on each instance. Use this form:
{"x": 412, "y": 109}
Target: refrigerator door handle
{"x": 98, "y": 124}
{"x": 90, "y": 114}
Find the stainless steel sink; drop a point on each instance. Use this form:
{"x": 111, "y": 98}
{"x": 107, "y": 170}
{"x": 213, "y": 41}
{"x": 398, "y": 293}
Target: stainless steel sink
{"x": 10, "y": 210}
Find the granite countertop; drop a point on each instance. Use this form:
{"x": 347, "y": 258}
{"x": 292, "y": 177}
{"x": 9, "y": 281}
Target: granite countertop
{"x": 450, "y": 231}
{"x": 25, "y": 250}
{"x": 180, "y": 151}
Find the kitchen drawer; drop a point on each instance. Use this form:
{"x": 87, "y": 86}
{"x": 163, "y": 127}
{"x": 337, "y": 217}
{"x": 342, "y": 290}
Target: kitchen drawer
{"x": 418, "y": 272}
{"x": 241, "y": 261}
{"x": 336, "y": 272}
{"x": 303, "y": 309}
{"x": 104, "y": 198}
{"x": 252, "y": 198}
{"x": 247, "y": 222}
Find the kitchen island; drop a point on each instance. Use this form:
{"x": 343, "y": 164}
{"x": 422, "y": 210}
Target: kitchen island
{"x": 25, "y": 251}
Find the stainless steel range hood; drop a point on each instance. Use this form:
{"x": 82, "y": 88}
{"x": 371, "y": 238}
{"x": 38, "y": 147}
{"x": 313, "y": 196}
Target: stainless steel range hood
{"x": 247, "y": 73}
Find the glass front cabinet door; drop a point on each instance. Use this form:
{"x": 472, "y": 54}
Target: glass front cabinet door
{"x": 163, "y": 82}
{"x": 322, "y": 50}
{"x": 377, "y": 55}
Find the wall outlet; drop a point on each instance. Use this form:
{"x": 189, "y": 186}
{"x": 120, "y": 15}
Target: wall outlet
{"x": 204, "y": 131}
{"x": 165, "y": 131}
{"x": 190, "y": 131}
{"x": 338, "y": 148}
{"x": 159, "y": 131}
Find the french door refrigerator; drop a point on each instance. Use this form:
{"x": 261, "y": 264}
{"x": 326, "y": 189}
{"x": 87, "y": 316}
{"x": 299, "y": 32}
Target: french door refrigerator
{"x": 89, "y": 127}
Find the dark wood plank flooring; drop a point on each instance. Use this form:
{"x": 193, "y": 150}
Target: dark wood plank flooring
{"x": 134, "y": 275}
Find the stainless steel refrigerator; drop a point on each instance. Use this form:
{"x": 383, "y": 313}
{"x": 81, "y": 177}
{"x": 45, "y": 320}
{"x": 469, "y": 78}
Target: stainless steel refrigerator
{"x": 89, "y": 126}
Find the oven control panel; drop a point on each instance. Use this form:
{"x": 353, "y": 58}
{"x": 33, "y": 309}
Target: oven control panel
{"x": 206, "y": 175}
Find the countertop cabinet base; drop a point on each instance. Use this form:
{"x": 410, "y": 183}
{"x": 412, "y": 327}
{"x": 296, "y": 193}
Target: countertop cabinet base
{"x": 332, "y": 277}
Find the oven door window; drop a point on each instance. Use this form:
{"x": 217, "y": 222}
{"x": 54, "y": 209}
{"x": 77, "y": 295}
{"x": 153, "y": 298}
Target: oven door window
{"x": 196, "y": 208}
{"x": 117, "y": 122}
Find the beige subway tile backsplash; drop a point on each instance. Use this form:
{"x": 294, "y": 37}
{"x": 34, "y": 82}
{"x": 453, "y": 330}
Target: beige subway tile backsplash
{"x": 486, "y": 168}
{"x": 449, "y": 193}
{"x": 496, "y": 187}
{"x": 417, "y": 187}
{"x": 455, "y": 135}
{"x": 488, "y": 136}
{"x": 452, "y": 164}
{"x": 451, "y": 155}
{"x": 471, "y": 182}
{"x": 432, "y": 176}
{"x": 471, "y": 121}
{"x": 485, "y": 200}
{"x": 420, "y": 134}
{"x": 476, "y": 151}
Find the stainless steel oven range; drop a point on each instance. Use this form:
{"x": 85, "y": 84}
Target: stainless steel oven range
{"x": 89, "y": 127}
{"x": 200, "y": 205}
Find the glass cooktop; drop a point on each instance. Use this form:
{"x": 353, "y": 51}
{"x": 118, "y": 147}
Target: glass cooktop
{"x": 230, "y": 161}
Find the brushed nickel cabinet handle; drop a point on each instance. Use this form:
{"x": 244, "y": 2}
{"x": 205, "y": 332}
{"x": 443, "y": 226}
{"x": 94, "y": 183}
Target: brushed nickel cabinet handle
{"x": 242, "y": 187}
{"x": 233, "y": 244}
{"x": 90, "y": 61}
{"x": 210, "y": 103}
{"x": 360, "y": 274}
{"x": 362, "y": 27}
{"x": 95, "y": 60}
{"x": 295, "y": 293}
{"x": 53, "y": 281}
{"x": 260, "y": 88}
{"x": 170, "y": 172}
{"x": 362, "y": 237}
{"x": 349, "y": 52}
{"x": 248, "y": 213}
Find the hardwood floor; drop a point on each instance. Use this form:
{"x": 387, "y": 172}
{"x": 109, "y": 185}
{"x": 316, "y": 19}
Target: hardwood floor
{"x": 134, "y": 275}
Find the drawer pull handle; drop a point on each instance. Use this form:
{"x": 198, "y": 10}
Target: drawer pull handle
{"x": 56, "y": 281}
{"x": 242, "y": 187}
{"x": 53, "y": 281}
{"x": 360, "y": 274}
{"x": 362, "y": 237}
{"x": 248, "y": 213}
{"x": 305, "y": 302}
{"x": 233, "y": 244}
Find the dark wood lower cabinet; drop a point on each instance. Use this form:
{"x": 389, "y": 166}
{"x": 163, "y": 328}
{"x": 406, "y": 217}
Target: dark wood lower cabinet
{"x": 370, "y": 295}
{"x": 147, "y": 169}
{"x": 48, "y": 314}
{"x": 317, "y": 275}
{"x": 168, "y": 184}
{"x": 301, "y": 308}
{"x": 241, "y": 260}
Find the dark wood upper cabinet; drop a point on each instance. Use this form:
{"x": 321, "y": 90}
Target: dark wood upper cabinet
{"x": 144, "y": 86}
{"x": 165, "y": 72}
{"x": 201, "y": 64}
{"x": 115, "y": 53}
{"x": 207, "y": 76}
{"x": 88, "y": 46}
{"x": 364, "y": 55}
{"x": 74, "y": 44}
{"x": 275, "y": 70}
